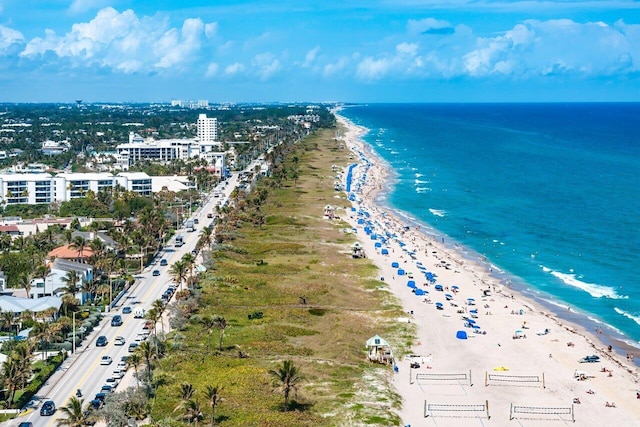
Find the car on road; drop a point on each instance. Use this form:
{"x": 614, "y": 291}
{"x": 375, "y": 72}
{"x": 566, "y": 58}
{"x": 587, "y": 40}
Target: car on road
{"x": 156, "y": 272}
{"x": 590, "y": 359}
{"x": 209, "y": 215}
{"x": 132, "y": 347}
{"x": 119, "y": 341}
{"x": 163, "y": 262}
{"x": 102, "y": 341}
{"x": 195, "y": 221}
{"x": 106, "y": 360}
{"x": 126, "y": 310}
{"x": 25, "y": 424}
{"x": 113, "y": 381}
{"x": 48, "y": 408}
{"x": 118, "y": 374}
{"x": 116, "y": 320}
{"x": 107, "y": 389}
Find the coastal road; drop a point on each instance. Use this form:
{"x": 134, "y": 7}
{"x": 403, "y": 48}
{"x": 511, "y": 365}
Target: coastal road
{"x": 83, "y": 370}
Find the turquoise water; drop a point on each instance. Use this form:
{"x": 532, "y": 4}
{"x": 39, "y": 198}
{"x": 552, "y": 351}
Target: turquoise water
{"x": 548, "y": 193}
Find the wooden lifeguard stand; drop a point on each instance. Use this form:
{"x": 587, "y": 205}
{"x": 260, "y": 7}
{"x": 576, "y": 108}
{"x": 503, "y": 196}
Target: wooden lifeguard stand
{"x": 379, "y": 350}
{"x": 329, "y": 212}
{"x": 357, "y": 251}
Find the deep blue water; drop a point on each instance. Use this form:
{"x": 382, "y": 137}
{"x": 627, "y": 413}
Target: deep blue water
{"x": 549, "y": 193}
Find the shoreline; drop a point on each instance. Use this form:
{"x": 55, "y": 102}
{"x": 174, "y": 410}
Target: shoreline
{"x": 458, "y": 264}
{"x": 595, "y": 329}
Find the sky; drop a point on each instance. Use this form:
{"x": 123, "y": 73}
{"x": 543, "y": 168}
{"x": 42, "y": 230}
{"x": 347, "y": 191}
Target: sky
{"x": 320, "y": 51}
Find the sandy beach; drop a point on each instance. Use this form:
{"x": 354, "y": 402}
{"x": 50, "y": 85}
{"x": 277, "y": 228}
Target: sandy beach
{"x": 519, "y": 365}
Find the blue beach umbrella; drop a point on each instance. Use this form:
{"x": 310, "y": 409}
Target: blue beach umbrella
{"x": 395, "y": 264}
{"x": 384, "y": 252}
{"x": 378, "y": 245}
{"x": 439, "y": 288}
{"x": 400, "y": 272}
{"x": 418, "y": 292}
{"x": 411, "y": 283}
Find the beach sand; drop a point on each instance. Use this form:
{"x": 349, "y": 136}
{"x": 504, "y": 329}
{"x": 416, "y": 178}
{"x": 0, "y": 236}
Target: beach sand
{"x": 448, "y": 365}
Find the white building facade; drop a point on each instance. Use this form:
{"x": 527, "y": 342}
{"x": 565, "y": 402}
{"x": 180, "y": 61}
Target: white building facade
{"x": 207, "y": 129}
{"x": 32, "y": 189}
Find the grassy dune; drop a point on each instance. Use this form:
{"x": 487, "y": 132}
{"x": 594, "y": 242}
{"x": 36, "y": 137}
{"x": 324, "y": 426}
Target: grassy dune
{"x": 268, "y": 268}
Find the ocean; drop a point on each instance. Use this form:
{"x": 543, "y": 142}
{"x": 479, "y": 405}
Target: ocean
{"x": 548, "y": 194}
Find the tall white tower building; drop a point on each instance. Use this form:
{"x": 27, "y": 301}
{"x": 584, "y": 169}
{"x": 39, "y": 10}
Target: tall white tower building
{"x": 207, "y": 129}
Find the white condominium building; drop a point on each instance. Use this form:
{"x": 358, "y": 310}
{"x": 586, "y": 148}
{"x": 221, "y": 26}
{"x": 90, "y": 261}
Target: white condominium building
{"x": 38, "y": 188}
{"x": 207, "y": 129}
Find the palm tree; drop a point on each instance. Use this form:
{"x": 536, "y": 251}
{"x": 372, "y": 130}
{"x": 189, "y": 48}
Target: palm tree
{"x": 71, "y": 280}
{"x": 189, "y": 260}
{"x": 213, "y": 394}
{"x": 78, "y": 243}
{"x": 286, "y": 378}
{"x": 221, "y": 324}
{"x": 192, "y": 412}
{"x": 187, "y": 391}
{"x": 134, "y": 360}
{"x": 158, "y": 306}
{"x": 75, "y": 415}
{"x": 178, "y": 271}
{"x": 24, "y": 280}
{"x": 146, "y": 352}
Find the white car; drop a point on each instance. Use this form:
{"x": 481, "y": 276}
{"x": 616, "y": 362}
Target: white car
{"x": 119, "y": 341}
{"x": 106, "y": 360}
{"x": 118, "y": 374}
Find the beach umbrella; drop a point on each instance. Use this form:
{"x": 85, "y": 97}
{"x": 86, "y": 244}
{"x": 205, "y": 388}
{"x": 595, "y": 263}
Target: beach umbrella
{"x": 385, "y": 252}
{"x": 411, "y": 283}
{"x": 461, "y": 335}
{"x": 374, "y": 237}
{"x": 448, "y": 296}
{"x": 474, "y": 311}
{"x": 418, "y": 292}
{"x": 474, "y": 326}
{"x": 400, "y": 272}
{"x": 439, "y": 306}
{"x": 455, "y": 287}
{"x": 361, "y": 221}
{"x": 378, "y": 245}
{"x": 471, "y": 321}
{"x": 439, "y": 288}
{"x": 395, "y": 264}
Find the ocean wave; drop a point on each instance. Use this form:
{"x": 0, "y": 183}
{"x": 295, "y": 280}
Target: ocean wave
{"x": 421, "y": 190}
{"x": 419, "y": 175}
{"x": 437, "y": 212}
{"x": 627, "y": 315}
{"x": 421, "y": 181}
{"x": 593, "y": 289}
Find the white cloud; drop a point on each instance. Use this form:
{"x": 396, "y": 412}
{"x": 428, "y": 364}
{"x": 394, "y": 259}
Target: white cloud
{"x": 335, "y": 67}
{"x": 81, "y": 6}
{"x": 234, "y": 69}
{"x": 126, "y": 42}
{"x": 212, "y": 70}
{"x": 310, "y": 57}
{"x": 370, "y": 69}
{"x": 266, "y": 65}
{"x": 429, "y": 26}
{"x": 410, "y": 49}
{"x": 9, "y": 37}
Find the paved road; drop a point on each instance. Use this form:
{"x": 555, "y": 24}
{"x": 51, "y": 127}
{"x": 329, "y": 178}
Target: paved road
{"x": 83, "y": 370}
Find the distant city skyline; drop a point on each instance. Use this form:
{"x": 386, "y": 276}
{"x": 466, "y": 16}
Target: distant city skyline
{"x": 288, "y": 51}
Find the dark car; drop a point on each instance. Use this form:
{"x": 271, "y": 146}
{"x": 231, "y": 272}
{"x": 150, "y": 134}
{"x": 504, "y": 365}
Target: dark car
{"x": 102, "y": 341}
{"x": 96, "y": 403}
{"x": 195, "y": 221}
{"x": 132, "y": 347}
{"x": 163, "y": 262}
{"x": 116, "y": 320}
{"x": 25, "y": 424}
{"x": 48, "y": 408}
{"x": 126, "y": 310}
{"x": 100, "y": 396}
{"x": 106, "y": 389}
{"x": 156, "y": 272}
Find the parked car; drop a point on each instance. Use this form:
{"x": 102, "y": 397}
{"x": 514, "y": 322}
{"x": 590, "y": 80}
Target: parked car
{"x": 48, "y": 408}
{"x": 96, "y": 403}
{"x": 102, "y": 341}
{"x": 590, "y": 359}
{"x": 132, "y": 347}
{"x": 106, "y": 389}
{"x": 106, "y": 360}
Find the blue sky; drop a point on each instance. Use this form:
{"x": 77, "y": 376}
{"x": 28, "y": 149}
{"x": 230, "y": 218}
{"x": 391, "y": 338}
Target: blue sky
{"x": 300, "y": 50}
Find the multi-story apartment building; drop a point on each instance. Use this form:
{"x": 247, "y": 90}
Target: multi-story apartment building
{"x": 38, "y": 188}
{"x": 207, "y": 129}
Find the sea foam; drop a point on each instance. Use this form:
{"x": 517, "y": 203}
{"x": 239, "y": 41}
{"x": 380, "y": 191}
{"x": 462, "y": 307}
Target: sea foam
{"x": 627, "y": 315}
{"x": 593, "y": 289}
{"x": 437, "y": 212}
